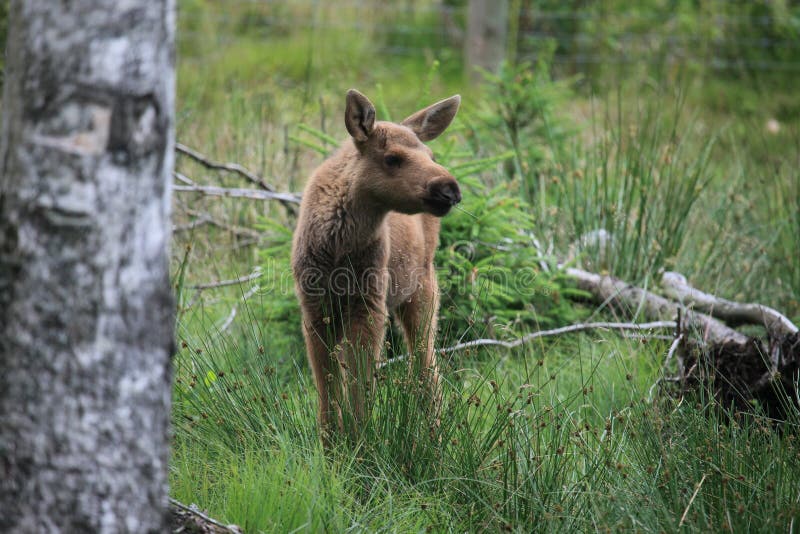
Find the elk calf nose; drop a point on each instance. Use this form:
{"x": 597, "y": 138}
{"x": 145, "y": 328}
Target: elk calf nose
{"x": 447, "y": 192}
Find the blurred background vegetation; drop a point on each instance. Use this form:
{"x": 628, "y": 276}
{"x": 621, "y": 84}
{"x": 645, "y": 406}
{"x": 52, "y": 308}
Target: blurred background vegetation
{"x": 668, "y": 126}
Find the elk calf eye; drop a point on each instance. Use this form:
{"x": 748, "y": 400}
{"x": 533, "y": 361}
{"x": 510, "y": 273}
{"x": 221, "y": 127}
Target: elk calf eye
{"x": 392, "y": 160}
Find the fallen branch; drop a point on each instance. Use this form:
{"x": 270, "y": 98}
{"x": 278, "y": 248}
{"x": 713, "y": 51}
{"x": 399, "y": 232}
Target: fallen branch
{"x": 736, "y": 368}
{"x": 196, "y": 223}
{"x": 190, "y": 519}
{"x": 239, "y": 230}
{"x": 623, "y": 297}
{"x": 211, "y": 190}
{"x": 558, "y": 331}
{"x": 203, "y": 219}
{"x": 696, "y": 491}
{"x": 183, "y": 178}
{"x": 677, "y": 288}
{"x": 670, "y": 353}
{"x": 544, "y": 333}
{"x": 287, "y": 199}
{"x": 232, "y": 315}
{"x": 256, "y": 274}
{"x": 203, "y": 160}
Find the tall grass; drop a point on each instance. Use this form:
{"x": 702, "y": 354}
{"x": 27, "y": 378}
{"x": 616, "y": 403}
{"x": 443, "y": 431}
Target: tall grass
{"x": 557, "y": 437}
{"x": 742, "y": 240}
{"x": 631, "y": 195}
{"x": 777, "y": 195}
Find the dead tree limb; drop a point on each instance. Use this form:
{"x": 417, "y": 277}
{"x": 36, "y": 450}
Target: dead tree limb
{"x": 673, "y": 348}
{"x": 196, "y": 223}
{"x": 623, "y": 296}
{"x": 558, "y": 331}
{"x": 545, "y": 333}
{"x": 234, "y": 310}
{"x": 255, "y": 275}
{"x": 202, "y": 218}
{"x": 203, "y": 160}
{"x": 183, "y": 178}
{"x": 736, "y": 368}
{"x": 190, "y": 519}
{"x": 211, "y": 190}
{"x": 287, "y": 199}
{"x": 677, "y": 288}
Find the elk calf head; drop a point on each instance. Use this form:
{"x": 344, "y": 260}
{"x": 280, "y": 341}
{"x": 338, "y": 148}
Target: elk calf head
{"x": 395, "y": 170}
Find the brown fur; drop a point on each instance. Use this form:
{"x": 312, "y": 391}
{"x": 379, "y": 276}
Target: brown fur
{"x": 364, "y": 245}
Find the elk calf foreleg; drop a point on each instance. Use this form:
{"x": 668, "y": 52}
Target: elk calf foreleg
{"x": 418, "y": 316}
{"x": 325, "y": 369}
{"x": 360, "y": 350}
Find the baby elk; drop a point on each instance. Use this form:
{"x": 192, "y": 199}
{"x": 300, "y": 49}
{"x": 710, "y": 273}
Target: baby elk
{"x": 363, "y": 248}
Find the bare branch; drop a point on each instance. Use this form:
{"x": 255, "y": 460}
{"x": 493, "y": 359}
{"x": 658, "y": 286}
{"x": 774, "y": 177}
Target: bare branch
{"x": 210, "y": 190}
{"x": 545, "y": 333}
{"x": 183, "y": 178}
{"x": 558, "y": 331}
{"x": 256, "y": 274}
{"x": 203, "y": 160}
{"x": 287, "y": 199}
{"x": 209, "y": 524}
{"x": 677, "y": 287}
{"x": 670, "y": 353}
{"x": 620, "y": 294}
{"x": 229, "y": 319}
{"x": 205, "y": 218}
{"x": 673, "y": 348}
{"x": 200, "y": 221}
{"x": 696, "y": 491}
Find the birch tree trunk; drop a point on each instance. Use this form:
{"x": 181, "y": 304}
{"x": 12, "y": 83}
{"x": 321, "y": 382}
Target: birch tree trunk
{"x": 86, "y": 311}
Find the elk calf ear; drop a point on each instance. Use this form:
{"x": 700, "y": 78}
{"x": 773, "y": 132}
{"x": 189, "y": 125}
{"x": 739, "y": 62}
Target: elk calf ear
{"x": 359, "y": 116}
{"x": 429, "y": 123}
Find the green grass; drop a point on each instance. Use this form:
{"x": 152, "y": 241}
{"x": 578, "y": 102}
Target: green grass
{"x": 560, "y": 436}
{"x": 563, "y": 435}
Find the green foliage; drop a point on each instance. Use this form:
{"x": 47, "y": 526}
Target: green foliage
{"x": 234, "y": 393}
{"x": 782, "y": 215}
{"x": 523, "y": 108}
{"x": 623, "y": 202}
{"x": 772, "y": 216}
{"x": 277, "y": 303}
{"x": 756, "y": 218}
{"x": 721, "y": 460}
{"x": 490, "y": 271}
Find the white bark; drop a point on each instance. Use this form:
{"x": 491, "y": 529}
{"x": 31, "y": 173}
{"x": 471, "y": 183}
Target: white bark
{"x": 620, "y": 294}
{"x": 86, "y": 311}
{"x": 255, "y": 194}
{"x": 677, "y": 288}
{"x": 580, "y": 327}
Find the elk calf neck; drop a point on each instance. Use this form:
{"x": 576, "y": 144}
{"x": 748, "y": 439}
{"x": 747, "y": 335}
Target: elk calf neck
{"x": 366, "y": 236}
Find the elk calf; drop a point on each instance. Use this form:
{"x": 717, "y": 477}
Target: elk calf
{"x": 364, "y": 245}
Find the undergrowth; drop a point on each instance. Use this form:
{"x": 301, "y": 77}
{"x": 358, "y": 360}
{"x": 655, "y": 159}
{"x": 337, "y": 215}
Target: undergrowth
{"x": 562, "y": 437}
{"x": 565, "y": 434}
